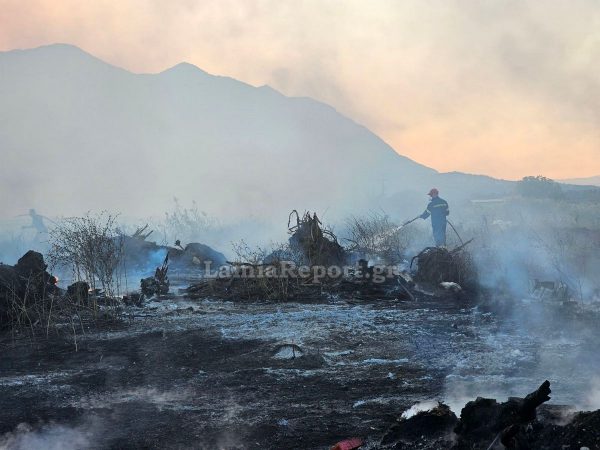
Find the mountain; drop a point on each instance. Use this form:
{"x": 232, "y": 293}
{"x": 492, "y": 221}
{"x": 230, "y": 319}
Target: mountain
{"x": 79, "y": 134}
{"x": 589, "y": 181}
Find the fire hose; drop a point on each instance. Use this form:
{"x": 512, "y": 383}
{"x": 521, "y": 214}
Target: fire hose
{"x": 458, "y": 235}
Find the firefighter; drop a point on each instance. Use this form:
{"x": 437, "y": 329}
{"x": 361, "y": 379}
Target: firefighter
{"x": 37, "y": 222}
{"x": 438, "y": 210}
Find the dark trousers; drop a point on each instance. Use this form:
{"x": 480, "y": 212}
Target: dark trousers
{"x": 439, "y": 232}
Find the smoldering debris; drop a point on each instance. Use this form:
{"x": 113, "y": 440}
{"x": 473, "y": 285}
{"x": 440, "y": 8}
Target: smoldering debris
{"x": 32, "y": 304}
{"x": 141, "y": 254}
{"x": 354, "y": 308}
{"x": 288, "y": 282}
{"x": 437, "y": 424}
{"x": 26, "y": 290}
{"x": 159, "y": 283}
{"x": 484, "y": 423}
{"x": 436, "y": 265}
{"x": 317, "y": 245}
{"x": 310, "y": 268}
{"x": 311, "y": 246}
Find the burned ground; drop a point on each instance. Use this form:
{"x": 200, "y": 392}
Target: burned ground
{"x": 212, "y": 374}
{"x": 174, "y": 379}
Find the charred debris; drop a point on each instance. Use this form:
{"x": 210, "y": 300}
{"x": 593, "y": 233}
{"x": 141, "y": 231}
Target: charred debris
{"x": 485, "y": 423}
{"x": 314, "y": 266}
{"x": 301, "y": 271}
{"x": 26, "y": 291}
{"x": 520, "y": 423}
{"x": 525, "y": 423}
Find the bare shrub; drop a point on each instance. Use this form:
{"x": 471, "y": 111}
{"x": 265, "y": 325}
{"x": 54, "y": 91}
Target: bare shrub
{"x": 376, "y": 235}
{"x": 91, "y": 247}
{"x": 187, "y": 224}
{"x": 245, "y": 253}
{"x": 275, "y": 253}
{"x": 268, "y": 263}
{"x": 573, "y": 255}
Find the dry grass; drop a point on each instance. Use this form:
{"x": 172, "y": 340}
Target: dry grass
{"x": 34, "y": 311}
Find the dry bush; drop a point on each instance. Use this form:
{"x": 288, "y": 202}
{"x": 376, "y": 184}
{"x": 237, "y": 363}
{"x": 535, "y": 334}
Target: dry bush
{"x": 376, "y": 235}
{"x": 267, "y": 263}
{"x": 187, "y": 224}
{"x": 574, "y": 257}
{"x": 91, "y": 247}
{"x": 244, "y": 253}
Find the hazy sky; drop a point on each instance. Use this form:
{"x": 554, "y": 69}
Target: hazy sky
{"x": 505, "y": 88}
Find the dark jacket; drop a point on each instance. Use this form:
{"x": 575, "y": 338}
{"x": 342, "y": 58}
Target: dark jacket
{"x": 438, "y": 210}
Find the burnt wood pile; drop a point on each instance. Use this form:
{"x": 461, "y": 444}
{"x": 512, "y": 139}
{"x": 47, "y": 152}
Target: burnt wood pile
{"x": 317, "y": 245}
{"x": 436, "y": 265}
{"x": 158, "y": 284}
{"x": 486, "y": 424}
{"x": 273, "y": 282}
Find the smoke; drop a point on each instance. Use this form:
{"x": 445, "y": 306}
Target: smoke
{"x": 528, "y": 339}
{"x": 419, "y": 407}
{"x": 458, "y": 393}
{"x": 162, "y": 399}
{"x": 522, "y": 240}
{"x": 156, "y": 258}
{"x": 592, "y": 402}
{"x": 16, "y": 240}
{"x": 52, "y": 436}
{"x": 230, "y": 436}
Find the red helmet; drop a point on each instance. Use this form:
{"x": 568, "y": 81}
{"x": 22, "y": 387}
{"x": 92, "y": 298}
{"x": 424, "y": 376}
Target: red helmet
{"x": 433, "y": 192}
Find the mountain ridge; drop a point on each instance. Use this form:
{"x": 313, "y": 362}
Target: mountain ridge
{"x": 186, "y": 132}
{"x": 584, "y": 181}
